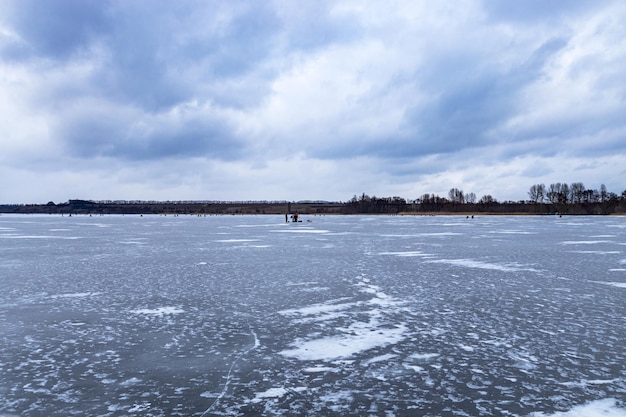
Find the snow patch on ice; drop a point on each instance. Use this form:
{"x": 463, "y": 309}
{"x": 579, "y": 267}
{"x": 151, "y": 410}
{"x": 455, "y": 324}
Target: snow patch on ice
{"x": 597, "y": 252}
{"x": 299, "y": 230}
{"x": 75, "y": 295}
{"x": 13, "y": 236}
{"x": 275, "y": 393}
{"x": 406, "y": 254}
{"x": 236, "y": 240}
{"x": 291, "y": 284}
{"x": 439, "y": 234}
{"x": 614, "y": 284}
{"x": 584, "y": 242}
{"x": 317, "y": 309}
{"x": 130, "y": 382}
{"x": 319, "y": 369}
{"x": 605, "y": 408}
{"x": 270, "y": 393}
{"x": 159, "y": 312}
{"x": 139, "y": 408}
{"x": 512, "y": 232}
{"x": 357, "y": 338}
{"x": 380, "y": 358}
{"x": 338, "y": 401}
{"x": 469, "y": 263}
{"x": 586, "y": 382}
{"x": 423, "y": 356}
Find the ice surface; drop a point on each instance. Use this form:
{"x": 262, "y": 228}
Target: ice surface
{"x": 353, "y": 315}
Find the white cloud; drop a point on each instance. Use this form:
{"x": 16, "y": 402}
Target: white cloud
{"x": 580, "y": 95}
{"x": 263, "y": 101}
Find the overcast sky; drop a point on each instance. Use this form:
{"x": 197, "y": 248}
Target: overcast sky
{"x": 293, "y": 100}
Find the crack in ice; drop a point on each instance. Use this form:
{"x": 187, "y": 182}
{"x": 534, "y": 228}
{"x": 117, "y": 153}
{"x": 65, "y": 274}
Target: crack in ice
{"x": 230, "y": 371}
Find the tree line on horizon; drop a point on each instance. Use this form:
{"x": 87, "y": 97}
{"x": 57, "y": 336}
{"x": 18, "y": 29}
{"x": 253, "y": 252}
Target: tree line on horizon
{"x": 559, "y": 197}
{"x": 556, "y": 198}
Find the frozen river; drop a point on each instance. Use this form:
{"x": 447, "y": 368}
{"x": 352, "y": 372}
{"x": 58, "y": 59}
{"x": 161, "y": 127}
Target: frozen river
{"x": 342, "y": 315}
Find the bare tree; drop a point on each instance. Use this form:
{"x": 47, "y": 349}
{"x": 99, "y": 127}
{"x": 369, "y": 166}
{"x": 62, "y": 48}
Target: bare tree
{"x": 603, "y": 193}
{"x": 456, "y": 196}
{"x": 553, "y": 192}
{"x": 487, "y": 199}
{"x": 577, "y": 192}
{"x": 564, "y": 194}
{"x": 537, "y": 193}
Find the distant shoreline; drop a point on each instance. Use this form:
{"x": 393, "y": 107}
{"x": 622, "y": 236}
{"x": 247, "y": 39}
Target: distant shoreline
{"x": 373, "y": 207}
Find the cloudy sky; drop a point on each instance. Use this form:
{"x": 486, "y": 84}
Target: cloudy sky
{"x": 293, "y": 100}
